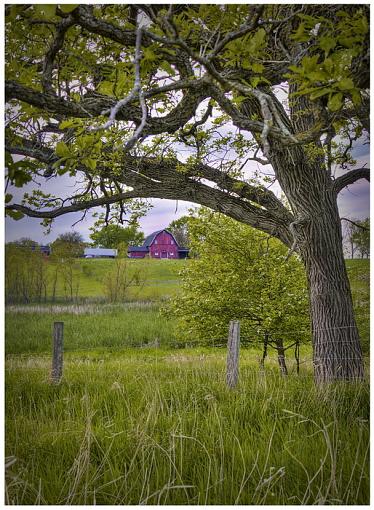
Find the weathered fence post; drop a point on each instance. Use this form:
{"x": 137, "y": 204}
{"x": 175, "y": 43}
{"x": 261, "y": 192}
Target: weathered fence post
{"x": 233, "y": 344}
{"x": 57, "y": 356}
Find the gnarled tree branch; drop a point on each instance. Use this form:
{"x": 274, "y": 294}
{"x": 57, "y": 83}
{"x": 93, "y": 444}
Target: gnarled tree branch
{"x": 351, "y": 177}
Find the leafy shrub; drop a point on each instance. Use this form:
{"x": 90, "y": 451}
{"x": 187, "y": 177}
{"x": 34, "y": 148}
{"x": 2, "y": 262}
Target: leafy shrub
{"x": 240, "y": 274}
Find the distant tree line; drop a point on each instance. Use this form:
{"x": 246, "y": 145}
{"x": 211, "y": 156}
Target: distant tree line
{"x": 357, "y": 237}
{"x": 31, "y": 276}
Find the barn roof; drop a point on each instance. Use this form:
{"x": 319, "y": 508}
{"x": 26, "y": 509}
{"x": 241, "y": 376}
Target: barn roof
{"x": 137, "y": 248}
{"x": 149, "y": 239}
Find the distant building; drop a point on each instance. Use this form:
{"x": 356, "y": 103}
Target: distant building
{"x": 159, "y": 245}
{"x": 100, "y": 253}
{"x": 45, "y": 250}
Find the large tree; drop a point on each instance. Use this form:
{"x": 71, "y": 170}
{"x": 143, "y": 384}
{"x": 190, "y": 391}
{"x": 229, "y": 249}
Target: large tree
{"x": 114, "y": 95}
{"x": 111, "y": 236}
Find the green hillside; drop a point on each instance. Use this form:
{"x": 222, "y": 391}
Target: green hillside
{"x": 160, "y": 277}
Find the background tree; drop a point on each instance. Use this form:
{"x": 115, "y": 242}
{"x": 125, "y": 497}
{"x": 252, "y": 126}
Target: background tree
{"x": 240, "y": 274}
{"x": 349, "y": 230}
{"x": 111, "y": 236}
{"x": 123, "y": 276}
{"x": 114, "y": 100}
{"x": 25, "y": 242}
{"x": 65, "y": 265}
{"x": 361, "y": 237}
{"x": 180, "y": 230}
{"x": 357, "y": 236}
{"x": 71, "y": 241}
{"x": 26, "y": 275}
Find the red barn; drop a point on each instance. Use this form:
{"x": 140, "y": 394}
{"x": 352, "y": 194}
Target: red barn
{"x": 159, "y": 245}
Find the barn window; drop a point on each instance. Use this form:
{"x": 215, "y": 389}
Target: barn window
{"x": 156, "y": 241}
{"x": 156, "y": 252}
{"x": 171, "y": 242}
{"x": 171, "y": 253}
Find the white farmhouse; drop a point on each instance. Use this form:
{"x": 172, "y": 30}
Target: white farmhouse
{"x": 99, "y": 253}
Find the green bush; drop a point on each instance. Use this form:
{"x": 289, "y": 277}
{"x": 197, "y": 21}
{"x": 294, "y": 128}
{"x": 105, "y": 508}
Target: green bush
{"x": 244, "y": 275}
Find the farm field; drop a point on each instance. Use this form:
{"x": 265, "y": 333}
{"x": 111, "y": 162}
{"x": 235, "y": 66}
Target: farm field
{"x": 139, "y": 420}
{"x": 160, "y": 278}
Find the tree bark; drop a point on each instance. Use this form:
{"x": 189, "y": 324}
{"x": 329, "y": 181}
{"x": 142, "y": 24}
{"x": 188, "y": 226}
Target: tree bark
{"x": 337, "y": 351}
{"x": 264, "y": 352}
{"x": 281, "y": 356}
{"x": 317, "y": 234}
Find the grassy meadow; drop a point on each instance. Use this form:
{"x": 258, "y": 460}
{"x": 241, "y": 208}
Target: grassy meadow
{"x": 160, "y": 427}
{"x": 160, "y": 279}
{"x": 137, "y": 419}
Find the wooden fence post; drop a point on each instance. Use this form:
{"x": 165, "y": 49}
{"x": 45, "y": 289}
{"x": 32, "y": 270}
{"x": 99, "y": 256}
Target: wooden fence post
{"x": 57, "y": 356}
{"x": 232, "y": 374}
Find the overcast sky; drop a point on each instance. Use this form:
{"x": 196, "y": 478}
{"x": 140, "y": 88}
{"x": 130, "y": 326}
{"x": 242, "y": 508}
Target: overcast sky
{"x": 353, "y": 203}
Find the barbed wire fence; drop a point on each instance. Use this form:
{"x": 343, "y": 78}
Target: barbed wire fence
{"x": 39, "y": 362}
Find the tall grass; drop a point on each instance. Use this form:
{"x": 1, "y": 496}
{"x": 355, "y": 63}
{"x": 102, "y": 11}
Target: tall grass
{"x": 86, "y": 327}
{"x": 161, "y": 428}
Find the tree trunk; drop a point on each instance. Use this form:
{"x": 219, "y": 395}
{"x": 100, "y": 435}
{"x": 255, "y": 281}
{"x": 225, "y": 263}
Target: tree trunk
{"x": 337, "y": 351}
{"x": 264, "y": 352}
{"x": 317, "y": 232}
{"x": 281, "y": 356}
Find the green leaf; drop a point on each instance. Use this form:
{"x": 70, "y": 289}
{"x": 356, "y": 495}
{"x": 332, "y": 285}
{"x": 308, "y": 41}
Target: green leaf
{"x": 46, "y": 10}
{"x": 62, "y": 170}
{"x": 66, "y": 8}
{"x": 349, "y": 42}
{"x": 327, "y": 43}
{"x": 356, "y": 97}
{"x": 8, "y": 160}
{"x": 91, "y": 163}
{"x": 63, "y": 150}
{"x": 364, "y": 25}
{"x": 239, "y": 99}
{"x": 255, "y": 81}
{"x": 317, "y": 76}
{"x": 8, "y": 198}
{"x": 310, "y": 63}
{"x": 328, "y": 65}
{"x": 346, "y": 84}
{"x": 296, "y": 69}
{"x": 16, "y": 215}
{"x": 256, "y": 43}
{"x": 123, "y": 85}
{"x": 150, "y": 55}
{"x": 257, "y": 67}
{"x": 106, "y": 87}
{"x": 67, "y": 123}
{"x": 167, "y": 67}
{"x": 335, "y": 102}
{"x": 320, "y": 92}
{"x": 301, "y": 35}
